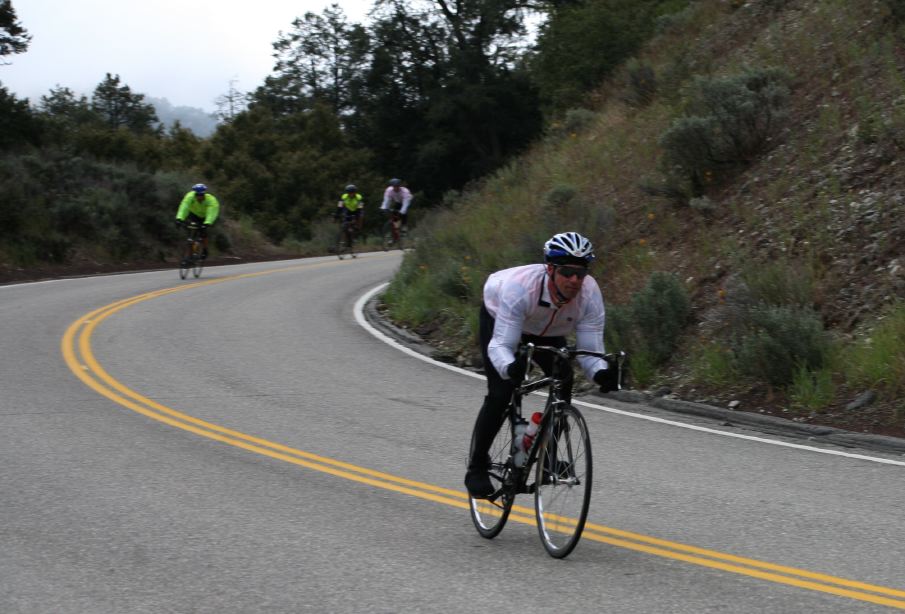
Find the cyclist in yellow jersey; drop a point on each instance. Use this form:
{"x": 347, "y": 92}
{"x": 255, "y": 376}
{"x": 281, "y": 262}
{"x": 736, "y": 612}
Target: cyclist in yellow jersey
{"x": 350, "y": 205}
{"x": 201, "y": 208}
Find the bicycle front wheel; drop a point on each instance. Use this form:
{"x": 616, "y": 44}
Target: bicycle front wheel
{"x": 342, "y": 244}
{"x": 388, "y": 239}
{"x": 185, "y": 264}
{"x": 490, "y": 517}
{"x": 563, "y": 483}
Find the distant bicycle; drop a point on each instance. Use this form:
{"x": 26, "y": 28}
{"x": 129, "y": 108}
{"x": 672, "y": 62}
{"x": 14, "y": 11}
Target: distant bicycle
{"x": 191, "y": 255}
{"x": 393, "y": 236}
{"x": 558, "y": 457}
{"x": 345, "y": 242}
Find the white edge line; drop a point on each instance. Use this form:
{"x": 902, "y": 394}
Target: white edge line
{"x": 360, "y": 318}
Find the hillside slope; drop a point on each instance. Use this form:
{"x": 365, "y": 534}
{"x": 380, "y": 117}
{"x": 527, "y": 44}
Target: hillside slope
{"x": 790, "y": 252}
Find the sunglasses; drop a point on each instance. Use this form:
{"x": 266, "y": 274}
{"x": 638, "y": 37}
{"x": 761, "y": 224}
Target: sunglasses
{"x": 572, "y": 271}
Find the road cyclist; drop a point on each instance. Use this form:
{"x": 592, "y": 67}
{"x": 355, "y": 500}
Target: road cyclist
{"x": 539, "y": 304}
{"x": 524, "y": 319}
{"x": 201, "y": 209}
{"x": 349, "y": 213}
{"x": 396, "y": 202}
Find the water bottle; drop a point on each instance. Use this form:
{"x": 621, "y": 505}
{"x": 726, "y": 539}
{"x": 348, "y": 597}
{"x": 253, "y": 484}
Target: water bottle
{"x": 518, "y": 454}
{"x": 531, "y": 430}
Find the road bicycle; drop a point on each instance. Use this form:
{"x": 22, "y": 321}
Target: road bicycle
{"x": 191, "y": 257}
{"x": 392, "y": 231}
{"x": 345, "y": 242}
{"x": 558, "y": 459}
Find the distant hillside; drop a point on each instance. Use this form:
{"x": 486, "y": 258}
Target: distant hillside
{"x": 199, "y": 121}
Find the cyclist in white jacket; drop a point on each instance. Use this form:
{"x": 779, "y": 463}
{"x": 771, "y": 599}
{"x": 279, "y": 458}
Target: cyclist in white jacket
{"x": 541, "y": 304}
{"x": 397, "y": 197}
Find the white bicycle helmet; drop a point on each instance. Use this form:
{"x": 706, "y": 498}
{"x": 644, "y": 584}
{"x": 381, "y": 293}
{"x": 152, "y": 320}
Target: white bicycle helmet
{"x": 568, "y": 248}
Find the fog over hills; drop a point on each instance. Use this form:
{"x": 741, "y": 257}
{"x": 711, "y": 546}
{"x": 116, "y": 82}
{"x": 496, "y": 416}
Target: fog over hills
{"x": 197, "y": 120}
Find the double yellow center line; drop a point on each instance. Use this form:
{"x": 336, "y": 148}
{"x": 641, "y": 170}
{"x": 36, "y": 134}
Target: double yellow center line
{"x": 77, "y": 352}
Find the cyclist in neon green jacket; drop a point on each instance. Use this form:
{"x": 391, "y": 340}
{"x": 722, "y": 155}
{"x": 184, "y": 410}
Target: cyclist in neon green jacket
{"x": 200, "y": 208}
{"x": 350, "y": 207}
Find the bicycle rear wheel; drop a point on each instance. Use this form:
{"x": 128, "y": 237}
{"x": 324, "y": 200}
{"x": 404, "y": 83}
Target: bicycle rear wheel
{"x": 185, "y": 264}
{"x": 490, "y": 517}
{"x": 563, "y": 483}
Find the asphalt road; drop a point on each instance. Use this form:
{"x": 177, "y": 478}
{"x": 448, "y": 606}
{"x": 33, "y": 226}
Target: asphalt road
{"x": 243, "y": 444}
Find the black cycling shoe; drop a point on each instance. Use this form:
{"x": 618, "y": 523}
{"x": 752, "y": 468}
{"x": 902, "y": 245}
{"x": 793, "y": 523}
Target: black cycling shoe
{"x": 204, "y": 254}
{"x": 478, "y": 484}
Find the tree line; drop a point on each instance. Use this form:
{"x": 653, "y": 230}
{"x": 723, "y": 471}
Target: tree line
{"x": 435, "y": 92}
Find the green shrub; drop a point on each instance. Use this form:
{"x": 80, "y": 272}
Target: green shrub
{"x": 641, "y": 368}
{"x": 618, "y": 331}
{"x": 812, "y": 390}
{"x": 879, "y": 361}
{"x": 713, "y": 364}
{"x": 649, "y": 328}
{"x": 779, "y": 341}
{"x": 659, "y": 315}
{"x": 728, "y": 122}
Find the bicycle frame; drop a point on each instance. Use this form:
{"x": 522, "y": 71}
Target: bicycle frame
{"x": 559, "y": 457}
{"x": 518, "y": 476}
{"x": 192, "y": 239}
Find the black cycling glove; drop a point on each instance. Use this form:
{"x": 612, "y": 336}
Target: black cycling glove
{"x": 519, "y": 367}
{"x": 179, "y": 222}
{"x": 608, "y": 379}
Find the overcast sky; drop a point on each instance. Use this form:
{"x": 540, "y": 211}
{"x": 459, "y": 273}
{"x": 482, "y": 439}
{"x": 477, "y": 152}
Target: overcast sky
{"x": 186, "y": 51}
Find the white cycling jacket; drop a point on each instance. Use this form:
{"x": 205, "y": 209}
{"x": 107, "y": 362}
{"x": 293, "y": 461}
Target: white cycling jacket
{"x": 519, "y": 300}
{"x": 401, "y": 196}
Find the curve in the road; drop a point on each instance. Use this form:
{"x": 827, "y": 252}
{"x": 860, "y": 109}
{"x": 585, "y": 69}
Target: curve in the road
{"x": 363, "y": 321}
{"x": 79, "y": 357}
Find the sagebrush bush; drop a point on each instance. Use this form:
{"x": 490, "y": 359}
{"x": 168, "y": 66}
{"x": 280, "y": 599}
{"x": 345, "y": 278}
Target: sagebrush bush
{"x": 618, "y": 332}
{"x": 729, "y": 121}
{"x": 778, "y": 341}
{"x": 660, "y": 312}
{"x": 649, "y": 327}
